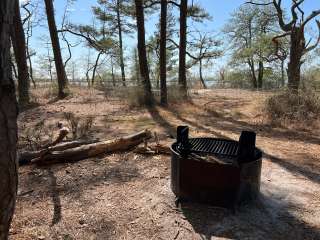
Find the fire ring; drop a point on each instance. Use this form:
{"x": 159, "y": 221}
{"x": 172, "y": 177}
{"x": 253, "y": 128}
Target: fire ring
{"x": 217, "y": 171}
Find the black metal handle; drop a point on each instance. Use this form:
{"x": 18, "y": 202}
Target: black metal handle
{"x": 247, "y": 145}
{"x": 183, "y": 138}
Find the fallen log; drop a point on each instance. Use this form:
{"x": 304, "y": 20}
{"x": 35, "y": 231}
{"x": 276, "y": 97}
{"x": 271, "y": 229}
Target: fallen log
{"x": 27, "y": 156}
{"x": 93, "y": 149}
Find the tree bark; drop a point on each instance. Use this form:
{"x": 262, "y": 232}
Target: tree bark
{"x": 163, "y": 55}
{"x": 143, "y": 62}
{"x": 182, "y": 46}
{"x": 123, "y": 76}
{"x": 260, "y": 74}
{"x": 95, "y": 68}
{"x": 19, "y": 47}
{"x": 297, "y": 48}
{"x": 112, "y": 73}
{"x": 8, "y": 123}
{"x": 94, "y": 149}
{"x": 28, "y": 36}
{"x": 61, "y": 73}
{"x": 253, "y": 74}
{"x": 282, "y": 73}
{"x": 27, "y": 156}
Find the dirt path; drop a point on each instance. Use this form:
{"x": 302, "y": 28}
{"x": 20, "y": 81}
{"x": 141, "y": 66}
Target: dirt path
{"x": 128, "y": 196}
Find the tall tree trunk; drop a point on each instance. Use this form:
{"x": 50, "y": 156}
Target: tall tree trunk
{"x": 8, "y": 123}
{"x": 200, "y": 74}
{"x": 29, "y": 34}
{"x": 163, "y": 55}
{"x": 282, "y": 73}
{"x": 123, "y": 76}
{"x": 95, "y": 68}
{"x": 30, "y": 67}
{"x": 296, "y": 52}
{"x": 253, "y": 74}
{"x": 260, "y": 74}
{"x": 112, "y": 73}
{"x": 182, "y": 46}
{"x": 61, "y": 73}
{"x": 19, "y": 47}
{"x": 143, "y": 62}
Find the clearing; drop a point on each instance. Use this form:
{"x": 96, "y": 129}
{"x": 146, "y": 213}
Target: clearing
{"x": 128, "y": 196}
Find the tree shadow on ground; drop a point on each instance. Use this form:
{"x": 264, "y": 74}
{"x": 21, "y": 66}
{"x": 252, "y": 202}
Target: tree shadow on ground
{"x": 169, "y": 128}
{"x": 265, "y": 219}
{"x": 55, "y": 197}
{"x": 310, "y": 172}
{"x": 69, "y": 181}
{"x": 95, "y": 174}
{"x": 227, "y": 123}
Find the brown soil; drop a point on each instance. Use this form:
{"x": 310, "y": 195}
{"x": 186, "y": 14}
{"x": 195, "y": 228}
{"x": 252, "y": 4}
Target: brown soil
{"x": 128, "y": 196}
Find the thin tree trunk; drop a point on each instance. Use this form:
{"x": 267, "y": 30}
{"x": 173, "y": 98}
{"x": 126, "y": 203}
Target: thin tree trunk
{"x": 112, "y": 73}
{"x": 19, "y": 47}
{"x": 30, "y": 67}
{"x": 8, "y": 123}
{"x": 182, "y": 46}
{"x": 253, "y": 74}
{"x": 260, "y": 74}
{"x": 282, "y": 74}
{"x": 163, "y": 56}
{"x": 201, "y": 77}
{"x": 123, "y": 76}
{"x": 143, "y": 62}
{"x": 29, "y": 35}
{"x": 95, "y": 68}
{"x": 61, "y": 73}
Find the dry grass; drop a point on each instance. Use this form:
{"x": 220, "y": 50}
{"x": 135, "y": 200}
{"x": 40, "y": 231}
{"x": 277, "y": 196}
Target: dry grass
{"x": 301, "y": 107}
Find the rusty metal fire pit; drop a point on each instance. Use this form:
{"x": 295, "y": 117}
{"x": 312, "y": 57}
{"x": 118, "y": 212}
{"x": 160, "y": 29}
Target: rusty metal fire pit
{"x": 217, "y": 171}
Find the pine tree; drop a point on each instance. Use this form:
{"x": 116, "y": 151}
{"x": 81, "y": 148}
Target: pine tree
{"x": 116, "y": 15}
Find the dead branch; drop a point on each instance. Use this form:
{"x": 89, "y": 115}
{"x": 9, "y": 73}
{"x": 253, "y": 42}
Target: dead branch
{"x": 27, "y": 156}
{"x": 93, "y": 149}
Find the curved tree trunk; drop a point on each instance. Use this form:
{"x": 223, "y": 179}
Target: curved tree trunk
{"x": 19, "y": 47}
{"x": 8, "y": 123}
{"x": 182, "y": 46}
{"x": 143, "y": 62}
{"x": 163, "y": 56}
{"x": 61, "y": 73}
{"x": 95, "y": 68}
{"x": 123, "y": 76}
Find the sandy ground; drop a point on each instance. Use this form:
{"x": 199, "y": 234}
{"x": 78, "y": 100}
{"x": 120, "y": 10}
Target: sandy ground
{"x": 128, "y": 196}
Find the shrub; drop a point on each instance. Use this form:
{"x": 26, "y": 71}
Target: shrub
{"x": 301, "y": 106}
{"x": 80, "y": 127}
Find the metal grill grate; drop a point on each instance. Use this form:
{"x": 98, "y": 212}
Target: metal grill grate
{"x": 214, "y": 146}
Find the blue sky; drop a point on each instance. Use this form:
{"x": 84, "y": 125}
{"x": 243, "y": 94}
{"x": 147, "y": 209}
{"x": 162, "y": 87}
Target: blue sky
{"x": 80, "y": 12}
